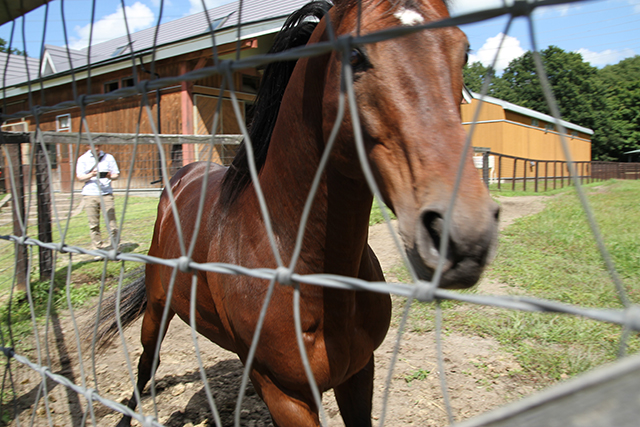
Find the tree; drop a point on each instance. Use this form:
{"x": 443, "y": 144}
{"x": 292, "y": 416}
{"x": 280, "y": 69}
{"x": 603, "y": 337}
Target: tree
{"x": 573, "y": 82}
{"x": 5, "y": 49}
{"x": 475, "y": 74}
{"x": 606, "y": 100}
{"x": 626, "y": 70}
{"x": 579, "y": 92}
{"x": 621, "y": 84}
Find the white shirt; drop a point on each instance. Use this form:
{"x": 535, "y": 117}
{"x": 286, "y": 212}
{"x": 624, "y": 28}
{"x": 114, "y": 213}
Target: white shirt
{"x": 96, "y": 186}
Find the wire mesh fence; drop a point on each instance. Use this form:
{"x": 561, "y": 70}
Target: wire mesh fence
{"x": 77, "y": 373}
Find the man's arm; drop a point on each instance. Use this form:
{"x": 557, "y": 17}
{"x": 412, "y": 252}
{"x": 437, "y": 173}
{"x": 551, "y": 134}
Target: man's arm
{"x": 86, "y": 177}
{"x": 114, "y": 172}
{"x": 80, "y": 168}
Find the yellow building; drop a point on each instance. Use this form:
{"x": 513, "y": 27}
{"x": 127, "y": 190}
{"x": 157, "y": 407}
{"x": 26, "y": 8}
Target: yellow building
{"x": 532, "y": 137}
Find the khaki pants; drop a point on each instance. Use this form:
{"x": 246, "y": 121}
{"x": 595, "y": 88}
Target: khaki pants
{"x": 93, "y": 208}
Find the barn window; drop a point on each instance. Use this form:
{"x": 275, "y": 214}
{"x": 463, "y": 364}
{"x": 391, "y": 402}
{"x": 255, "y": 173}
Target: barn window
{"x": 250, "y": 83}
{"x": 53, "y": 157}
{"x": 534, "y": 122}
{"x": 128, "y": 82}
{"x": 111, "y": 86}
{"x": 121, "y": 49}
{"x": 63, "y": 123}
{"x": 550, "y": 126}
{"x": 574, "y": 133}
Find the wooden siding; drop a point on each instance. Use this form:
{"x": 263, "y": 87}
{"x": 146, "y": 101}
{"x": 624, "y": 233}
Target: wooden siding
{"x": 144, "y": 169}
{"x": 512, "y": 134}
{"x": 517, "y": 135}
{"x": 126, "y": 115}
{"x": 487, "y": 112}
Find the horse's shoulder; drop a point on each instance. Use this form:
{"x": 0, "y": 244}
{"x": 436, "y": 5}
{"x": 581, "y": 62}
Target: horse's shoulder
{"x": 194, "y": 171}
{"x": 187, "y": 182}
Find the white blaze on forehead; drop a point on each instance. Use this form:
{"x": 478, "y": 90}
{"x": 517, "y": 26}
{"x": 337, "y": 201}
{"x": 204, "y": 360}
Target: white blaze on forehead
{"x": 409, "y": 17}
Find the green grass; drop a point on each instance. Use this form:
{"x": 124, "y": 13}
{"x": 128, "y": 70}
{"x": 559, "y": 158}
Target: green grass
{"x": 519, "y": 189}
{"x": 136, "y": 233}
{"x": 377, "y": 216}
{"x": 86, "y": 275}
{"x": 553, "y": 255}
{"x": 550, "y": 255}
{"x": 417, "y": 375}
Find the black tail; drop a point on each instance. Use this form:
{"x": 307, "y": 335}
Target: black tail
{"x": 133, "y": 302}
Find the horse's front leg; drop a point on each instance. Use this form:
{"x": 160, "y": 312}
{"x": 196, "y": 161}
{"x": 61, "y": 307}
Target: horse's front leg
{"x": 288, "y": 408}
{"x": 354, "y": 397}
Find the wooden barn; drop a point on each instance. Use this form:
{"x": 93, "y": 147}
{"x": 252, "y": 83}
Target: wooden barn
{"x": 515, "y": 131}
{"x": 183, "y": 111}
{"x": 185, "y": 108}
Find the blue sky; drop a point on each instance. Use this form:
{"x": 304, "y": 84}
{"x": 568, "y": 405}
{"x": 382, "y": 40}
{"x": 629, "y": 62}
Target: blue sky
{"x": 603, "y": 31}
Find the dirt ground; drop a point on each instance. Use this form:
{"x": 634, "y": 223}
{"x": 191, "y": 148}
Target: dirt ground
{"x": 479, "y": 375}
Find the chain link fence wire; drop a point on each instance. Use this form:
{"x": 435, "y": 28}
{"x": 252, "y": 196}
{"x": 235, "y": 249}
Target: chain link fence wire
{"x": 84, "y": 388}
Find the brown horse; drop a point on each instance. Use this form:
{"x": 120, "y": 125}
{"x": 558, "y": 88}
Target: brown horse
{"x": 408, "y": 92}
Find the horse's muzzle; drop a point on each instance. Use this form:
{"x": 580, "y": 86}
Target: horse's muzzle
{"x": 471, "y": 244}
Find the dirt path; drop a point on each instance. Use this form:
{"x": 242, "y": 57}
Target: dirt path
{"x": 479, "y": 375}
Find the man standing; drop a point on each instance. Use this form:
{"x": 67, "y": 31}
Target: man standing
{"x": 97, "y": 174}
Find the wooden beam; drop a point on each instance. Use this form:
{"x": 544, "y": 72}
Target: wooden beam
{"x": 15, "y": 137}
{"x": 213, "y": 91}
{"x": 142, "y": 139}
{"x": 45, "y": 255}
{"x": 188, "y": 155}
{"x": 18, "y": 211}
{"x": 201, "y": 63}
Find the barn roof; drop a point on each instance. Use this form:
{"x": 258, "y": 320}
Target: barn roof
{"x": 60, "y": 60}
{"x": 16, "y": 68}
{"x": 508, "y": 106}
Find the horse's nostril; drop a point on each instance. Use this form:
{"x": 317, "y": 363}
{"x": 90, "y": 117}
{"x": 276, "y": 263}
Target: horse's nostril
{"x": 434, "y": 224}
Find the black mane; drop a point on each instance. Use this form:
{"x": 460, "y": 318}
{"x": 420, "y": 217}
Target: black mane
{"x": 295, "y": 32}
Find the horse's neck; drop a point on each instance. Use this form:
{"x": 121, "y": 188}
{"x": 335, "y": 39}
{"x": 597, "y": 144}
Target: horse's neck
{"x": 338, "y": 223}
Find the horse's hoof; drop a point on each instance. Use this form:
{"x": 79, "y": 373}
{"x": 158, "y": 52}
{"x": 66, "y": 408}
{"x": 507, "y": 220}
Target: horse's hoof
{"x": 124, "y": 422}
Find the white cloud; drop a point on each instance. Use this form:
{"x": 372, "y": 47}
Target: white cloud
{"x": 606, "y": 57}
{"x": 635, "y": 4}
{"x": 109, "y": 27}
{"x": 196, "y": 5}
{"x": 510, "y": 50}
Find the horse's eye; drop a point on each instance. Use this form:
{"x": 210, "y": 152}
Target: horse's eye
{"x": 357, "y": 59}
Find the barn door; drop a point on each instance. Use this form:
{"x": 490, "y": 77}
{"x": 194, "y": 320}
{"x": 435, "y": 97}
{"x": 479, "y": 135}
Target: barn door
{"x": 204, "y": 108}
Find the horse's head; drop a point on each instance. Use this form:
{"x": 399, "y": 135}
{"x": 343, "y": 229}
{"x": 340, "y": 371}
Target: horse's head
{"x": 409, "y": 91}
